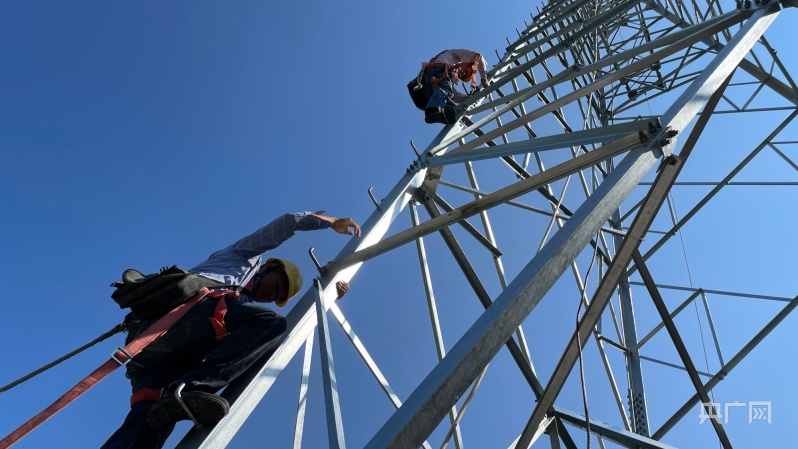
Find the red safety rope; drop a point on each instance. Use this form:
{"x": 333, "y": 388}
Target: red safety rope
{"x": 119, "y": 358}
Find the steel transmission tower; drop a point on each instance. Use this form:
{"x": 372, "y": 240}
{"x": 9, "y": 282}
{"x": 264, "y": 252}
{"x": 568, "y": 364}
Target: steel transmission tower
{"x": 557, "y": 197}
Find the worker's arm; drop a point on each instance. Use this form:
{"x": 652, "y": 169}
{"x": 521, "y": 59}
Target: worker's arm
{"x": 278, "y": 231}
{"x": 482, "y": 67}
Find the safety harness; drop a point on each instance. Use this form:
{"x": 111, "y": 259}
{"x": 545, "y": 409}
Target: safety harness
{"x": 120, "y": 357}
{"x": 461, "y": 71}
{"x": 219, "y": 327}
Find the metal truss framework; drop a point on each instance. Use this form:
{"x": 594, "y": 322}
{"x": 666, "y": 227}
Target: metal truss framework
{"x": 604, "y": 92}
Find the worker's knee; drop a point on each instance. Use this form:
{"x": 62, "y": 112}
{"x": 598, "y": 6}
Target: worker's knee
{"x": 280, "y": 324}
{"x": 271, "y": 323}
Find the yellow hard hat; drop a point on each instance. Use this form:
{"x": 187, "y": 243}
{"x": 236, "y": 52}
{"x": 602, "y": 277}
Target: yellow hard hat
{"x": 294, "y": 278}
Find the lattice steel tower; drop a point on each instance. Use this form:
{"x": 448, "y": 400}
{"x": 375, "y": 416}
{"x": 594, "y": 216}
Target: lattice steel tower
{"x": 556, "y": 196}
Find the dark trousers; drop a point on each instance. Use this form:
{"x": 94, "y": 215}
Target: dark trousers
{"x": 190, "y": 352}
{"x": 441, "y": 95}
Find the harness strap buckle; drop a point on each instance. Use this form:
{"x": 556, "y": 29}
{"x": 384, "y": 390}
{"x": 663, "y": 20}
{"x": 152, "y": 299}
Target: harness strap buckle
{"x": 123, "y": 358}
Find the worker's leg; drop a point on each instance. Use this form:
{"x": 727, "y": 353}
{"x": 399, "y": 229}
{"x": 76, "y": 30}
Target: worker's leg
{"x": 253, "y": 331}
{"x": 135, "y": 433}
{"x": 441, "y": 96}
{"x": 440, "y": 107}
{"x": 158, "y": 365}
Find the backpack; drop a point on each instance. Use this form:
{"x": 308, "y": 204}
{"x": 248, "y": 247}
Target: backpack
{"x": 153, "y": 295}
{"x": 416, "y": 91}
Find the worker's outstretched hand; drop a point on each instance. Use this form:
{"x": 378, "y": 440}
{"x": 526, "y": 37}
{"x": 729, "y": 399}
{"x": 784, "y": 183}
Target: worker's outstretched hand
{"x": 343, "y": 225}
{"x": 341, "y": 287}
{"x": 340, "y": 225}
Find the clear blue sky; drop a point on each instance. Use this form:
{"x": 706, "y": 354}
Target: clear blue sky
{"x": 150, "y": 134}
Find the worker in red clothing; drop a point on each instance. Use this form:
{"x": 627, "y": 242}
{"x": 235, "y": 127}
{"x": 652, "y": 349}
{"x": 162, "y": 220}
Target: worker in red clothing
{"x": 437, "y": 79}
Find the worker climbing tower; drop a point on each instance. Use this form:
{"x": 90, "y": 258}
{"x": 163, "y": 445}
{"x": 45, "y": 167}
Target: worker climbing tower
{"x": 562, "y": 197}
{"x": 579, "y": 233}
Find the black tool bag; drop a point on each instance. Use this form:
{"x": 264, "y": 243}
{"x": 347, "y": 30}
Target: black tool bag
{"x": 416, "y": 91}
{"x": 153, "y": 295}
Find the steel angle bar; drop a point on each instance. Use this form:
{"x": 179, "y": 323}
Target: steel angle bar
{"x": 569, "y": 74}
{"x": 546, "y": 20}
{"x": 753, "y": 96}
{"x": 599, "y": 344}
{"x": 335, "y": 426}
{"x": 681, "y": 348}
{"x": 579, "y": 30}
{"x": 653, "y": 201}
{"x": 659, "y": 326}
{"x": 532, "y": 46}
{"x": 714, "y": 191}
{"x": 681, "y": 40}
{"x": 698, "y": 129}
{"x": 522, "y": 173}
{"x": 519, "y": 356}
{"x": 504, "y": 103}
{"x": 612, "y": 433}
{"x": 479, "y": 194}
{"x": 565, "y": 140}
{"x": 494, "y": 199}
{"x": 727, "y": 368}
{"x": 678, "y": 115}
{"x": 469, "y": 227}
{"x": 745, "y": 183}
{"x": 613, "y": 343}
{"x": 433, "y": 316}
{"x": 497, "y": 261}
{"x": 766, "y": 78}
{"x": 672, "y": 365}
{"x": 712, "y": 327}
{"x": 778, "y": 63}
{"x": 303, "y": 393}
{"x": 638, "y": 403}
{"x": 427, "y": 280}
{"x": 719, "y": 292}
{"x": 542, "y": 428}
{"x": 554, "y": 435}
{"x": 749, "y": 67}
{"x": 783, "y": 156}
{"x": 245, "y": 393}
{"x": 364, "y": 354}
{"x": 611, "y": 378}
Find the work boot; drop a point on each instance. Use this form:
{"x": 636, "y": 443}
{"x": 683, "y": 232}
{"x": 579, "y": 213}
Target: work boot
{"x": 434, "y": 115}
{"x": 207, "y": 408}
{"x": 449, "y": 114}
